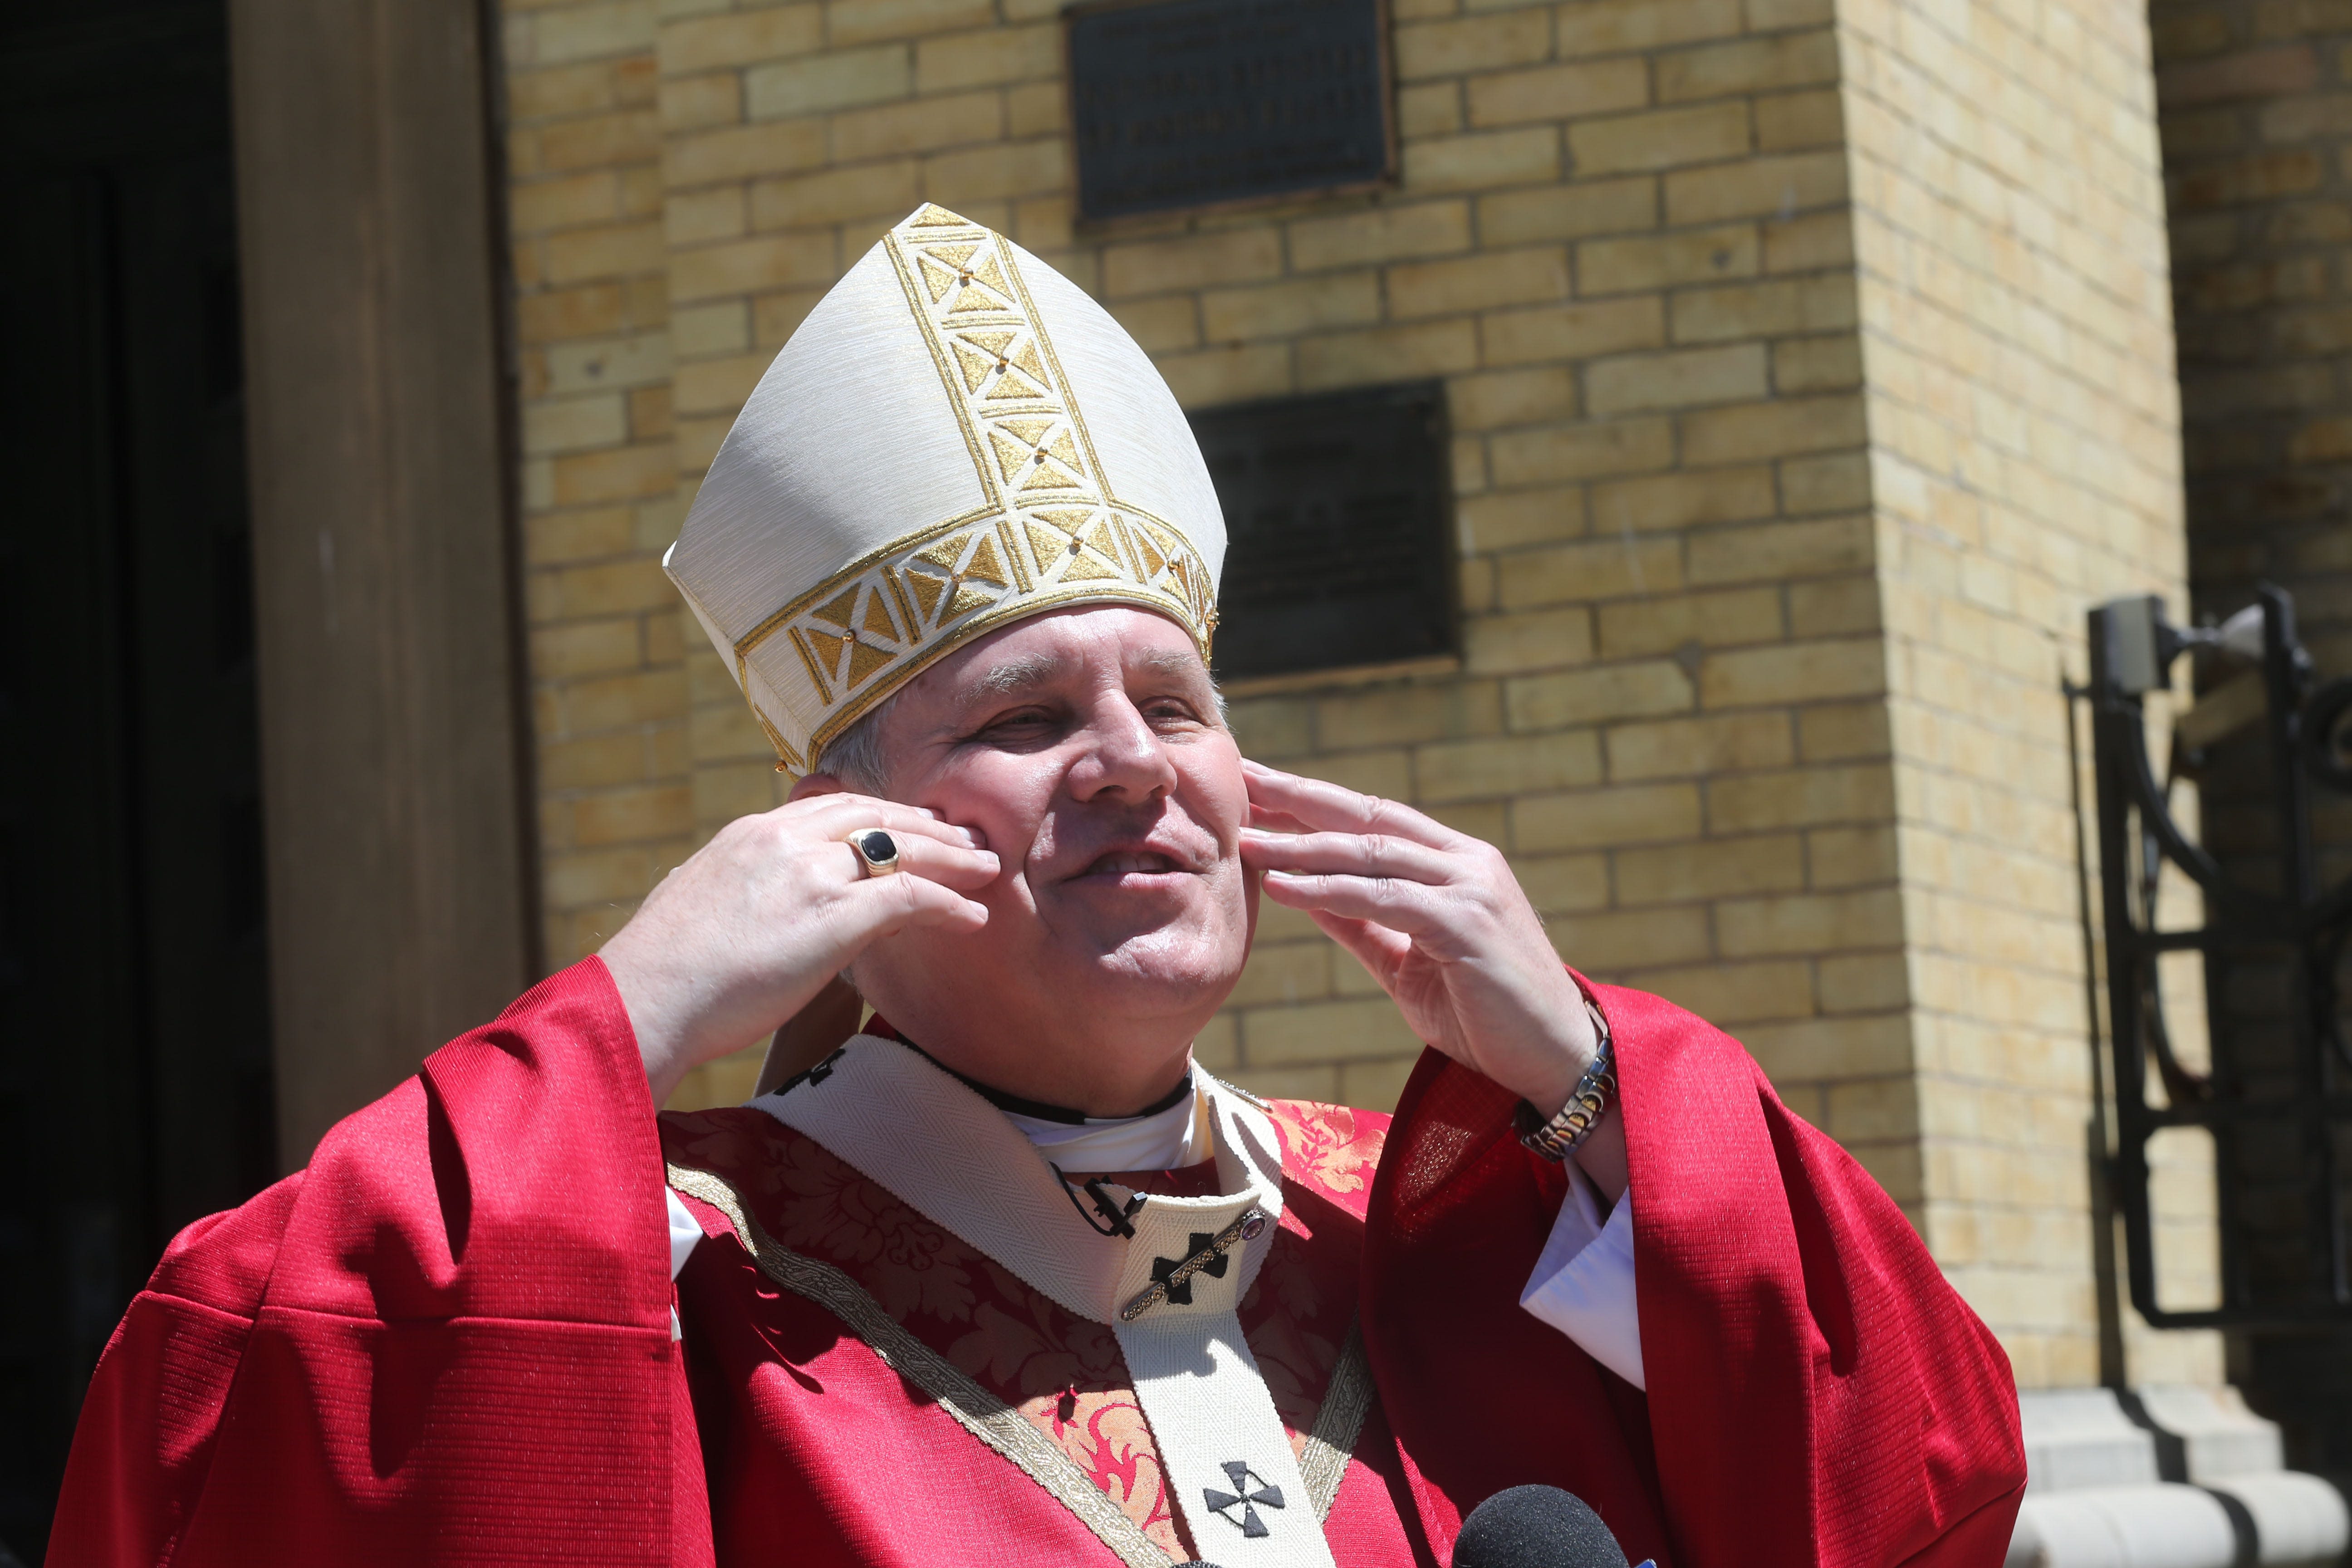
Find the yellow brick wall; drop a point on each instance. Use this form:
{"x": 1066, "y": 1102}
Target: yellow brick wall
{"x": 591, "y": 269}
{"x": 2010, "y": 232}
{"x": 1777, "y": 513}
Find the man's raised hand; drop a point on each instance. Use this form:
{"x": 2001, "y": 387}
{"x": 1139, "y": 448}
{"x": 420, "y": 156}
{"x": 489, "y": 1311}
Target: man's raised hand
{"x": 744, "y": 933}
{"x": 1437, "y": 917}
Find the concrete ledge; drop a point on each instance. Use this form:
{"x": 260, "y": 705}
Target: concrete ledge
{"x": 2296, "y": 1519}
{"x": 2077, "y": 1437}
{"x": 2217, "y": 1434}
{"x": 2159, "y": 1525}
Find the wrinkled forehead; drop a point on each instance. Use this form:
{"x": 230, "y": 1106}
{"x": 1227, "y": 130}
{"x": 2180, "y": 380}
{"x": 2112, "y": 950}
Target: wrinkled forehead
{"x": 1090, "y": 644}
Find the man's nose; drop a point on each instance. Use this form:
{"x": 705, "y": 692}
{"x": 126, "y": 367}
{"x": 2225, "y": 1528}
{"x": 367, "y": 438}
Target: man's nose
{"x": 1123, "y": 754}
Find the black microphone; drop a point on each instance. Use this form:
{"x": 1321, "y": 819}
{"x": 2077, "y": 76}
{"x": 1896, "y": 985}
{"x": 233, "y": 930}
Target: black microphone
{"x": 1536, "y": 1527}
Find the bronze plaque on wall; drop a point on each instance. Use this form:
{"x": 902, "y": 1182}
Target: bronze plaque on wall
{"x": 1184, "y": 104}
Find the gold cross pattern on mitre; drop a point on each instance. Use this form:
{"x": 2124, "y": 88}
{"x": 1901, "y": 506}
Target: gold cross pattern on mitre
{"x": 956, "y": 437}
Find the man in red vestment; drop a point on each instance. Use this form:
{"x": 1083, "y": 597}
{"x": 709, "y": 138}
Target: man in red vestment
{"x": 1004, "y": 1274}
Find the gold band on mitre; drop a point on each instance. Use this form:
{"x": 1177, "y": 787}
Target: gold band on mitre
{"x": 1050, "y": 529}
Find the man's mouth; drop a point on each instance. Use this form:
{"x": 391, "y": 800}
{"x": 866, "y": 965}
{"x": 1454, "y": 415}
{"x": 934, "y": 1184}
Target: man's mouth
{"x": 1130, "y": 862}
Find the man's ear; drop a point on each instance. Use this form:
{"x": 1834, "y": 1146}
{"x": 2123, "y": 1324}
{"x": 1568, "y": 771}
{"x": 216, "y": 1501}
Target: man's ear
{"x": 814, "y": 784}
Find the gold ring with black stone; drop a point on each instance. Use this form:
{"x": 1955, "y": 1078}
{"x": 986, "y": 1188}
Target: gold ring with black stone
{"x": 876, "y": 851}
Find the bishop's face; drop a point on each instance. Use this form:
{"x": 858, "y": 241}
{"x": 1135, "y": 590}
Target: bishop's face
{"x": 1086, "y": 746}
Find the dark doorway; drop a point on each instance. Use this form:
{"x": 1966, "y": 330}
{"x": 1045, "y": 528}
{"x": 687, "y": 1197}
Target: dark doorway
{"x": 134, "y": 1029}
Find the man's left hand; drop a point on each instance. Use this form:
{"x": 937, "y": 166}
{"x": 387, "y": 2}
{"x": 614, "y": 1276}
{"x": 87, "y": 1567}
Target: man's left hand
{"x": 1437, "y": 917}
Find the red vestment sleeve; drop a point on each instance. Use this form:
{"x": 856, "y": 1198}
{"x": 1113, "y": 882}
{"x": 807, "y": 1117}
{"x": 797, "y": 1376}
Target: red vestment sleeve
{"x": 1817, "y": 1393}
{"x": 446, "y": 1341}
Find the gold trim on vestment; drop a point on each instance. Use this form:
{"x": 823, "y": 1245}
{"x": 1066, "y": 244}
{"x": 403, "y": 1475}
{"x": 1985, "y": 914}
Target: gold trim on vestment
{"x": 1042, "y": 480}
{"x": 975, "y": 1409}
{"x": 1346, "y": 1400}
{"x": 1323, "y": 1464}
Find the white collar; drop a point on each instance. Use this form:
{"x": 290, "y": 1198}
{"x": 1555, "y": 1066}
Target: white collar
{"x": 930, "y": 1140}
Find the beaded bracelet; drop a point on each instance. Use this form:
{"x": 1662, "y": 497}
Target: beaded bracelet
{"x": 1561, "y": 1136}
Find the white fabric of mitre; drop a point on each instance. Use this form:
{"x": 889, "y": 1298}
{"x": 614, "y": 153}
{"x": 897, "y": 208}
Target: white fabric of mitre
{"x": 950, "y": 1155}
{"x": 864, "y": 443}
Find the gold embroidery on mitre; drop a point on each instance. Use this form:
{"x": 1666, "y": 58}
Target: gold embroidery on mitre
{"x": 1050, "y": 533}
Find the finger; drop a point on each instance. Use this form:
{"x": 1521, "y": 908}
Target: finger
{"x": 1327, "y": 806}
{"x": 950, "y": 865}
{"x": 838, "y": 814}
{"x": 881, "y": 905}
{"x": 1355, "y": 853}
{"x": 1408, "y": 907}
{"x": 1380, "y": 949}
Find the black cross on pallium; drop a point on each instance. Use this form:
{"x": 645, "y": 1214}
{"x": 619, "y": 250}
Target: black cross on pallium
{"x": 1242, "y": 1496}
{"x": 1180, "y": 1293}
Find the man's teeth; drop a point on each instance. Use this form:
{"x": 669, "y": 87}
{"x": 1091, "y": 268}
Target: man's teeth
{"x": 1120, "y": 865}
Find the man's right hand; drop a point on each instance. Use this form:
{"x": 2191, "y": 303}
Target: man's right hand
{"x": 740, "y": 937}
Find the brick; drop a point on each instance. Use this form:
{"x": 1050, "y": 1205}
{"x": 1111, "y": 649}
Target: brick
{"x": 1571, "y": 332}
{"x": 1603, "y": 818}
{"x": 739, "y": 38}
{"x": 1681, "y": 500}
{"x": 919, "y": 125}
{"x": 571, "y": 424}
{"x": 706, "y": 332}
{"x": 1374, "y": 1085}
{"x": 1794, "y": 672}
{"x": 1169, "y": 322}
{"x": 1753, "y": 803}
{"x": 586, "y": 312}
{"x": 775, "y": 316}
{"x": 809, "y": 201}
{"x": 1837, "y": 482}
{"x": 835, "y": 80}
{"x": 1545, "y": 639}
{"x": 1809, "y": 242}
{"x": 1430, "y": 109}
{"x": 1693, "y": 256}
{"x": 988, "y": 58}
{"x": 1511, "y": 397}
{"x": 1600, "y": 569}
{"x": 1732, "y": 994}
{"x": 606, "y": 876}
{"x": 561, "y": 89}
{"x": 541, "y": 204}
{"x": 720, "y": 385}
{"x": 1756, "y": 187}
{"x": 1789, "y": 120}
{"x": 1425, "y": 49}
{"x": 1830, "y": 1047}
{"x": 1318, "y": 1084}
{"x": 638, "y": 360}
{"x": 1558, "y": 92}
{"x": 1558, "y": 883}
{"x": 698, "y": 103}
{"x": 1281, "y": 309}
{"x": 1495, "y": 278}
{"x": 592, "y": 760}
{"x": 1619, "y": 940}
{"x": 1284, "y": 972}
{"x": 1662, "y": 139}
{"x": 1748, "y": 66}
{"x": 1036, "y": 109}
{"x": 1709, "y": 869}
{"x": 1770, "y": 552}
{"x": 1686, "y": 378}
{"x": 2262, "y": 177}
{"x": 1816, "y": 365}
{"x": 649, "y": 412}
{"x": 1582, "y": 451}
{"x": 1696, "y": 747}
{"x": 630, "y": 815}
{"x": 1380, "y": 234}
{"x": 616, "y": 474}
{"x": 863, "y": 21}
{"x": 1387, "y": 353}
{"x": 1484, "y": 160}
{"x": 1596, "y": 696}
{"x": 2276, "y": 72}
{"x": 1405, "y": 715}
{"x": 1809, "y": 923}
{"x": 1840, "y": 606}
{"x": 577, "y": 535}
{"x": 1864, "y": 982}
{"x": 1851, "y": 856}
{"x": 1326, "y": 1031}
{"x": 1779, "y": 428}
{"x": 584, "y": 32}
{"x": 1842, "y": 732}
{"x": 1570, "y": 211}
{"x": 1616, "y": 26}
{"x": 1502, "y": 522}
{"x": 1231, "y": 256}
{"x": 1231, "y": 374}
{"x": 749, "y": 264}
{"x": 697, "y": 217}
{"x": 743, "y": 151}
{"x": 1469, "y": 770}
{"x": 614, "y": 250}
{"x": 585, "y": 648}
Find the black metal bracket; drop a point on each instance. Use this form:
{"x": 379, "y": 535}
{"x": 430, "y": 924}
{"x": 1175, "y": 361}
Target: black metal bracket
{"x": 2279, "y": 1111}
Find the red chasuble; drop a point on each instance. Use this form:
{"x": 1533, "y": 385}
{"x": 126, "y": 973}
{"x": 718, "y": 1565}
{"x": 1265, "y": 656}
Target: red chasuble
{"x": 448, "y": 1341}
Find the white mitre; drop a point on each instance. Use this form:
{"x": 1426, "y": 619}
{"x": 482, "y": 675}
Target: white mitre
{"x": 955, "y": 439}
